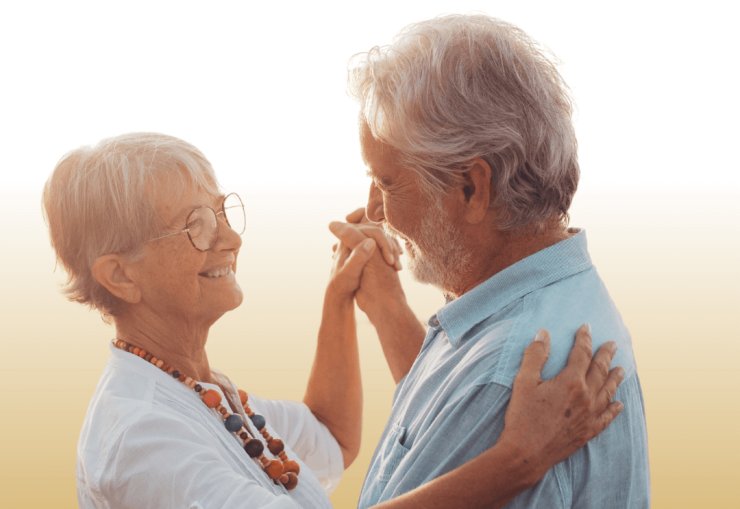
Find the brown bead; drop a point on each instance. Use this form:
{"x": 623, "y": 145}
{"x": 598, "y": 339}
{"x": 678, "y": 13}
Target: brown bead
{"x": 292, "y": 481}
{"x": 274, "y": 469}
{"x": 243, "y": 435}
{"x": 275, "y": 445}
{"x": 292, "y": 466}
{"x": 243, "y": 397}
{"x": 211, "y": 398}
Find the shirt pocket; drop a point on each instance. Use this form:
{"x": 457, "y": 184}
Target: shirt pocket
{"x": 394, "y": 451}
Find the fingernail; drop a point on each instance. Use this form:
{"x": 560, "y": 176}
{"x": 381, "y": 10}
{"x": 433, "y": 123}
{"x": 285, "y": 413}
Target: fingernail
{"x": 612, "y": 346}
{"x": 620, "y": 373}
{"x": 588, "y": 327}
{"x": 367, "y": 244}
{"x": 540, "y": 336}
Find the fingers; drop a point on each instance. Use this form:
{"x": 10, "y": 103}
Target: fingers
{"x": 580, "y": 355}
{"x": 357, "y": 216}
{"x": 357, "y": 259}
{"x": 598, "y": 369}
{"x": 606, "y": 418}
{"x": 353, "y": 234}
{"x": 609, "y": 389}
{"x": 534, "y": 358}
{"x": 342, "y": 254}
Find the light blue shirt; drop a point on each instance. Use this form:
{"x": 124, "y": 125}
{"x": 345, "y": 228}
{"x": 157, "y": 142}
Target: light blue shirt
{"x": 450, "y": 406}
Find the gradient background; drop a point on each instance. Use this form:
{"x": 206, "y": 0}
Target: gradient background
{"x": 261, "y": 90}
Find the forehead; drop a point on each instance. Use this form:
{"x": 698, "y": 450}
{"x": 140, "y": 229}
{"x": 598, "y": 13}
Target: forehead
{"x": 175, "y": 196}
{"x": 378, "y": 156}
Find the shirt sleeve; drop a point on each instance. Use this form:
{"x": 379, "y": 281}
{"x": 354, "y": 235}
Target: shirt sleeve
{"x": 461, "y": 430}
{"x": 150, "y": 468}
{"x": 310, "y": 439}
{"x": 609, "y": 472}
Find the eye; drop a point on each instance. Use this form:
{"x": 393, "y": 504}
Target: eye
{"x": 195, "y": 226}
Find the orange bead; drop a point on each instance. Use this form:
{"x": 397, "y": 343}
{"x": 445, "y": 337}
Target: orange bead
{"x": 292, "y": 466}
{"x": 274, "y": 469}
{"x": 211, "y": 398}
{"x": 243, "y": 397}
{"x": 275, "y": 445}
{"x": 292, "y": 481}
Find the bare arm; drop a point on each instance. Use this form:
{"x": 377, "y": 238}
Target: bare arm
{"x": 334, "y": 391}
{"x": 545, "y": 423}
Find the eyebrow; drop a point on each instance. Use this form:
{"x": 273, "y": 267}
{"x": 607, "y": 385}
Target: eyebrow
{"x": 185, "y": 211}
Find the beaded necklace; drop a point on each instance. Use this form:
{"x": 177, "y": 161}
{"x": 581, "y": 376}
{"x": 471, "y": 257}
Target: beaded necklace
{"x": 282, "y": 470}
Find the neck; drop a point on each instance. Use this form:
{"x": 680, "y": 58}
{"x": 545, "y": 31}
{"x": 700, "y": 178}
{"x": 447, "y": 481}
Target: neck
{"x": 498, "y": 251}
{"x": 180, "y": 345}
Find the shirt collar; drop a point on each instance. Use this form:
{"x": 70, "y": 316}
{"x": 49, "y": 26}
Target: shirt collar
{"x": 561, "y": 260}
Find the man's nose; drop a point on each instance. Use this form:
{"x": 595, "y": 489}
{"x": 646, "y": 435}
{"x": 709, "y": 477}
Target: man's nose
{"x": 374, "y": 209}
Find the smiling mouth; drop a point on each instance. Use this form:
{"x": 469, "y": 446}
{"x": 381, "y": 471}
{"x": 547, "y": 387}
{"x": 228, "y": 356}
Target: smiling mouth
{"x": 217, "y": 273}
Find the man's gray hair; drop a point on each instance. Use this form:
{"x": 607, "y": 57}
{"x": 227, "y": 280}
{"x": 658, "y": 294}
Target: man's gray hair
{"x": 102, "y": 199}
{"x": 455, "y": 88}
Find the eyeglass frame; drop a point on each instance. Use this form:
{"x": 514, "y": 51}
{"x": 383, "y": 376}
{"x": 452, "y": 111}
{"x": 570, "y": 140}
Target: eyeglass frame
{"x": 221, "y": 212}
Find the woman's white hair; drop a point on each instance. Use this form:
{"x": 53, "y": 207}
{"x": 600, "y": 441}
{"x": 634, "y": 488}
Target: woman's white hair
{"x": 455, "y": 88}
{"x": 102, "y": 199}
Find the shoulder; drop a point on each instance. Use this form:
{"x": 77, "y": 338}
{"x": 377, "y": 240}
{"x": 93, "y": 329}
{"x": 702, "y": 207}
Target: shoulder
{"x": 561, "y": 309}
{"x": 125, "y": 402}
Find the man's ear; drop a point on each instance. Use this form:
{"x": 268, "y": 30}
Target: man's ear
{"x": 110, "y": 272}
{"x": 476, "y": 191}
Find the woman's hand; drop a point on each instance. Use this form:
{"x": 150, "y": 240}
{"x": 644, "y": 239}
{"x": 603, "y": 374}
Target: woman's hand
{"x": 347, "y": 268}
{"x": 549, "y": 421}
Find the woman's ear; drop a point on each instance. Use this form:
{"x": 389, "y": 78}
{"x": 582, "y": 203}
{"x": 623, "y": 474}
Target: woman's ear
{"x": 110, "y": 272}
{"x": 476, "y": 191}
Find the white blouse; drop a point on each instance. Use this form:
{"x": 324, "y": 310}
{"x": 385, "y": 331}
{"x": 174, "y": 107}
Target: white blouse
{"x": 148, "y": 441}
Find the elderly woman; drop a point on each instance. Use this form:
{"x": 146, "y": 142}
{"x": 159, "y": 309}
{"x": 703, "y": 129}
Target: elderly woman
{"x": 148, "y": 239}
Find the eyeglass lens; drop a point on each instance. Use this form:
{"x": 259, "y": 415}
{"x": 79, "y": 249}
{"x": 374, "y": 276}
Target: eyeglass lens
{"x": 203, "y": 223}
{"x": 234, "y": 210}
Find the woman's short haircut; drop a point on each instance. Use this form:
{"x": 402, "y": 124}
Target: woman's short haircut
{"x": 102, "y": 199}
{"x": 455, "y": 88}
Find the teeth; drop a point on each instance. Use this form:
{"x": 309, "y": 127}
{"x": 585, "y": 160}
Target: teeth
{"x": 223, "y": 271}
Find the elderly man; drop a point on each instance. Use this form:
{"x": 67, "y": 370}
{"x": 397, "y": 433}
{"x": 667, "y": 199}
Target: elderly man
{"x": 466, "y": 131}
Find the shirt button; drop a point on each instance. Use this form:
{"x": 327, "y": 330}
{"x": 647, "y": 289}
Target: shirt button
{"x": 433, "y": 321}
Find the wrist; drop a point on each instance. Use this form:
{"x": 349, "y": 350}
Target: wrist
{"x": 336, "y": 298}
{"x": 528, "y": 468}
{"x": 387, "y": 313}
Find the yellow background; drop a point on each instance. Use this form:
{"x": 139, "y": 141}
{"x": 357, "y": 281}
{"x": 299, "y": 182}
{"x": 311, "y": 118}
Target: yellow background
{"x": 261, "y": 91}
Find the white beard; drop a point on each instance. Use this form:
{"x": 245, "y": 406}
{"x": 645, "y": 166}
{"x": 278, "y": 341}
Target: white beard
{"x": 438, "y": 258}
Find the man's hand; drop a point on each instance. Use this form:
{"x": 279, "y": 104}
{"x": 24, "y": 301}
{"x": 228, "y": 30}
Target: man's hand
{"x": 551, "y": 420}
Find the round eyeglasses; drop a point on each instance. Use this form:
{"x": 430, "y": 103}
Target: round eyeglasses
{"x": 202, "y": 222}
